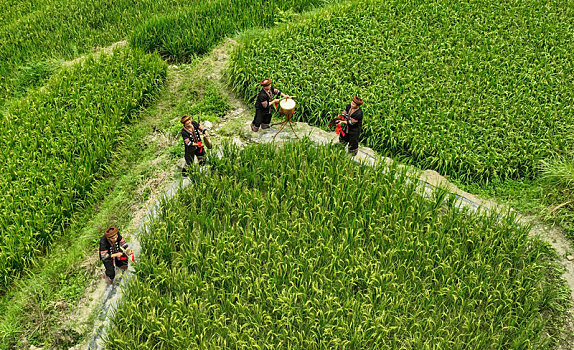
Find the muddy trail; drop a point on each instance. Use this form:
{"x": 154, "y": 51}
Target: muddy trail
{"x": 234, "y": 126}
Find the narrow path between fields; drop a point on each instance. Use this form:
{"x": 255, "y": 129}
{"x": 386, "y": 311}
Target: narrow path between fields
{"x": 235, "y": 127}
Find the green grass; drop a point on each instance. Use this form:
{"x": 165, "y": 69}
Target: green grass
{"x": 480, "y": 90}
{"x": 559, "y": 173}
{"x": 56, "y": 30}
{"x": 40, "y": 31}
{"x": 547, "y": 198}
{"x": 299, "y": 247}
{"x": 45, "y": 31}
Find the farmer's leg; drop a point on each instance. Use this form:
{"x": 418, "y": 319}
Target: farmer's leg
{"x": 188, "y": 160}
{"x": 122, "y": 264}
{"x": 266, "y": 121}
{"x": 344, "y": 139}
{"x": 110, "y": 269}
{"x": 257, "y": 120}
{"x": 353, "y": 143}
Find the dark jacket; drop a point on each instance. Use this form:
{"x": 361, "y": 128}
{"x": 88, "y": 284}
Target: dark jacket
{"x": 357, "y": 115}
{"x": 193, "y": 136}
{"x": 263, "y": 96}
{"x": 107, "y": 249}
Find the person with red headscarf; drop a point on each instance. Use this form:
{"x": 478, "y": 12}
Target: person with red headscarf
{"x": 351, "y": 125}
{"x": 266, "y": 98}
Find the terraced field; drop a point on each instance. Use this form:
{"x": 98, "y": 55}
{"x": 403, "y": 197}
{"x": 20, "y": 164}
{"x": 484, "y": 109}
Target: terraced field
{"x": 80, "y": 110}
{"x": 293, "y": 246}
{"x": 299, "y": 247}
{"x": 478, "y": 90}
{"x": 56, "y": 140}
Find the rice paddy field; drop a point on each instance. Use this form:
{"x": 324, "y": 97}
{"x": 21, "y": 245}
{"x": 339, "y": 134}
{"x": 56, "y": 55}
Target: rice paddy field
{"x": 80, "y": 111}
{"x": 477, "y": 90}
{"x": 36, "y": 35}
{"x": 56, "y": 140}
{"x": 299, "y": 247}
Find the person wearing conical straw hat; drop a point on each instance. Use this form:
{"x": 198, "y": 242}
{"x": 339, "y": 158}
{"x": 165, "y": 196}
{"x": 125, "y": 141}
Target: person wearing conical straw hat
{"x": 265, "y": 99}
{"x": 351, "y": 125}
{"x": 114, "y": 253}
{"x": 192, "y": 140}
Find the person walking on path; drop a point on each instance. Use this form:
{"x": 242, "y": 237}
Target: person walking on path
{"x": 191, "y": 134}
{"x": 114, "y": 253}
{"x": 265, "y": 99}
{"x": 351, "y": 125}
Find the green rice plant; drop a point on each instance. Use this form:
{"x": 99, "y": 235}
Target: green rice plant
{"x": 32, "y": 76}
{"x": 557, "y": 182}
{"x": 36, "y": 31}
{"x": 55, "y": 142}
{"x": 192, "y": 31}
{"x": 299, "y": 247}
{"x": 477, "y": 90}
{"x": 559, "y": 173}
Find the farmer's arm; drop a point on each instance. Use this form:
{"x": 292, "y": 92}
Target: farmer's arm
{"x": 104, "y": 253}
{"x": 203, "y": 130}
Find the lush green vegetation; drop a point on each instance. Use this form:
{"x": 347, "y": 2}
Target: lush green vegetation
{"x": 479, "y": 90}
{"x": 36, "y": 33}
{"x": 40, "y": 308}
{"x": 194, "y": 31}
{"x": 299, "y": 247}
{"x": 272, "y": 255}
{"x": 54, "y": 142}
{"x": 558, "y": 186}
{"x": 559, "y": 173}
{"x": 550, "y": 197}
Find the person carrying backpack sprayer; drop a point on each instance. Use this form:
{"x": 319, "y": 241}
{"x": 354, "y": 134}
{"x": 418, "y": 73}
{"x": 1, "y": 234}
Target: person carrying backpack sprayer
{"x": 114, "y": 253}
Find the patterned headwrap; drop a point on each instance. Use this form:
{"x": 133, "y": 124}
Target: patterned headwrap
{"x": 110, "y": 232}
{"x": 358, "y": 101}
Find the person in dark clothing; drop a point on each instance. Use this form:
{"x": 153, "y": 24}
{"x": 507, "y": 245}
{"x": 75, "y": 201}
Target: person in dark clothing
{"x": 265, "y": 99}
{"x": 351, "y": 125}
{"x": 113, "y": 249}
{"x": 192, "y": 140}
